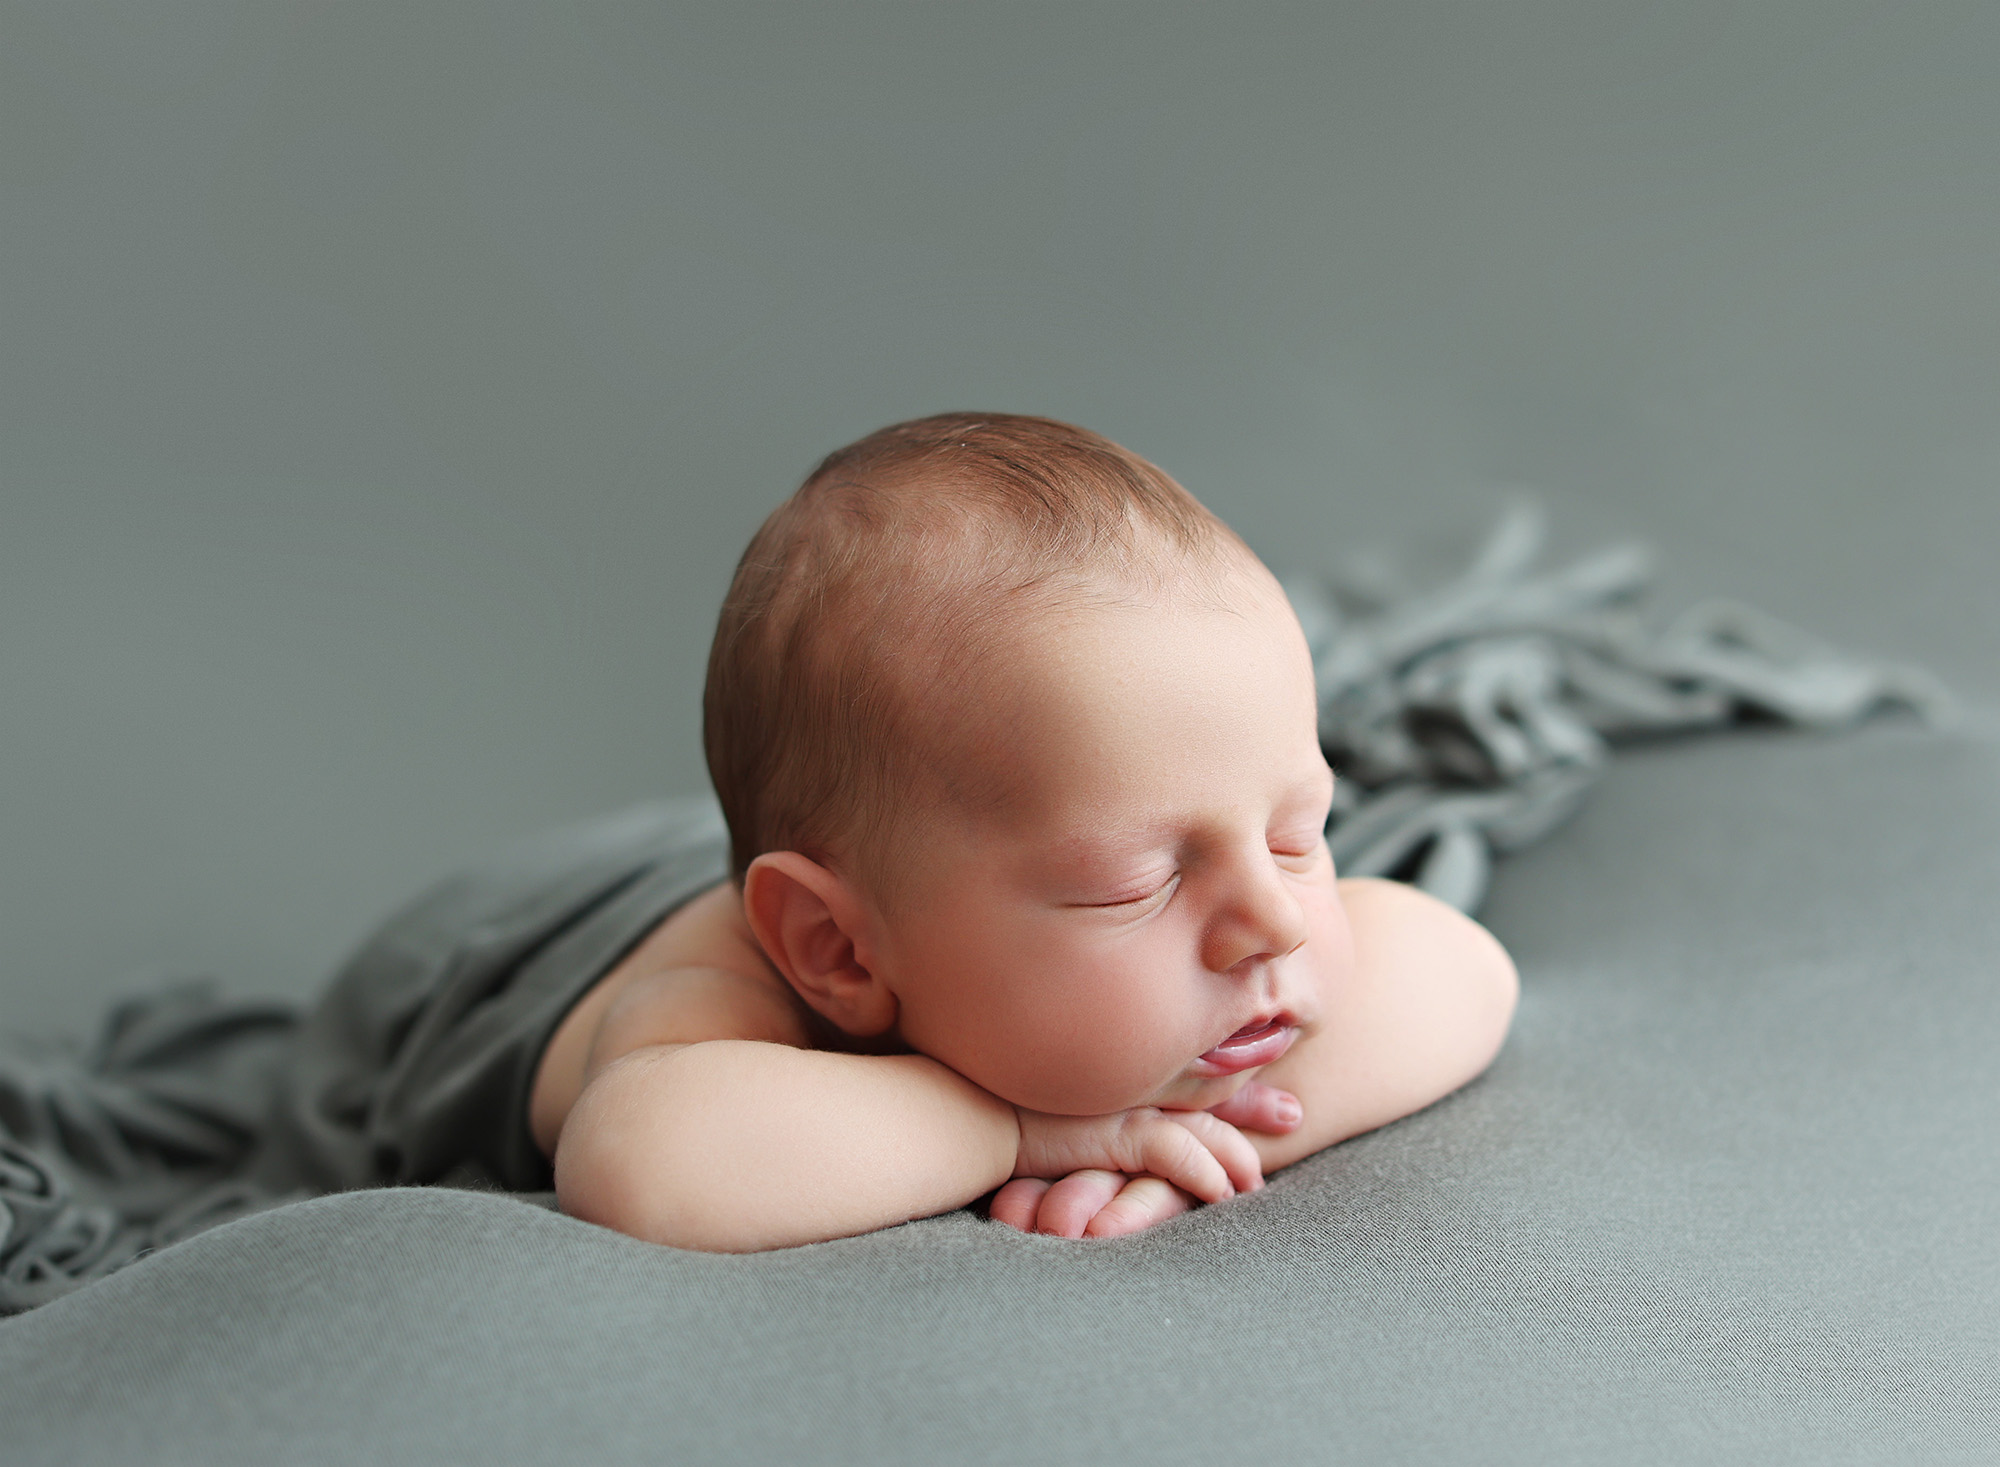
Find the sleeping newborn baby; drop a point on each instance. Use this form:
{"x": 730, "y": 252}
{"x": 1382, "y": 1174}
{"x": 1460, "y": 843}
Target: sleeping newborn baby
{"x": 1028, "y": 891}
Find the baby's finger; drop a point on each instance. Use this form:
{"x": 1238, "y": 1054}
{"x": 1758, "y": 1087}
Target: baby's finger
{"x": 1261, "y": 1107}
{"x": 1227, "y": 1145}
{"x": 1170, "y": 1146}
{"x": 1015, "y": 1204}
{"x": 1142, "y": 1202}
{"x": 1071, "y": 1203}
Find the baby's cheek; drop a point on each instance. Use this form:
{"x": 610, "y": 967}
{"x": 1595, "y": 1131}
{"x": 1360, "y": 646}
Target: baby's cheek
{"x": 1073, "y": 1072}
{"x": 1073, "y": 1033}
{"x": 1330, "y": 948}
{"x": 1123, "y": 1070}
{"x": 1062, "y": 1085}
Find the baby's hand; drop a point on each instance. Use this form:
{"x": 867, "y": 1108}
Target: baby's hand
{"x": 1108, "y": 1199}
{"x": 1194, "y": 1150}
{"x": 1088, "y": 1204}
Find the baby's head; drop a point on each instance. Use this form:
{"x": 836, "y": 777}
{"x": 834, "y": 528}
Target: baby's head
{"x": 852, "y": 685}
{"x": 1006, "y": 726}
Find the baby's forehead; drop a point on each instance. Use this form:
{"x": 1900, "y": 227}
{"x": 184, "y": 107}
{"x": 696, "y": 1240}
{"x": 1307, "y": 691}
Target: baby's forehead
{"x": 978, "y": 708}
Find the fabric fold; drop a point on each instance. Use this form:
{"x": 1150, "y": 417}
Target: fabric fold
{"x": 1471, "y": 719}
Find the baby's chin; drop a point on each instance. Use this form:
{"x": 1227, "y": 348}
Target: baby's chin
{"x": 1183, "y": 1092}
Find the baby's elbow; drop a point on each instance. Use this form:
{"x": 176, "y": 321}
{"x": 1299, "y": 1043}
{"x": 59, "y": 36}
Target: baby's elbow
{"x": 599, "y": 1178}
{"x": 1446, "y": 986}
{"x": 630, "y": 1160}
{"x": 1475, "y": 988}
{"x": 1492, "y": 989}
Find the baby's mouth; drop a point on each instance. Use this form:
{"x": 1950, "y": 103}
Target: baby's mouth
{"x": 1258, "y": 1042}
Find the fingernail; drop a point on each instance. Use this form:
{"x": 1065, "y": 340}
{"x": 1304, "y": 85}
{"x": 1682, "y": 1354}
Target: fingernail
{"x": 1290, "y": 1111}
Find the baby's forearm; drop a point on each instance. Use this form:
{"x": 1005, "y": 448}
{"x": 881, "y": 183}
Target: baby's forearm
{"x": 737, "y": 1145}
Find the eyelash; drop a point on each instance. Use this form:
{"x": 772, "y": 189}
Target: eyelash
{"x": 1306, "y": 851}
{"x": 1135, "y": 901}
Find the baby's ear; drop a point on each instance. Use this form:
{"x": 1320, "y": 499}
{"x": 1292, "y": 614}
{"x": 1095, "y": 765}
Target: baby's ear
{"x": 807, "y": 918}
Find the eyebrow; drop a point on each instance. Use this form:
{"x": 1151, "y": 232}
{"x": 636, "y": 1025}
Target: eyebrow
{"x": 1092, "y": 850}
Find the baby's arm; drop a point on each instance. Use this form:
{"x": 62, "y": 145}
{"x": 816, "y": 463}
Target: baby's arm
{"x": 735, "y": 1145}
{"x": 1098, "y": 1203}
{"x": 704, "y": 1124}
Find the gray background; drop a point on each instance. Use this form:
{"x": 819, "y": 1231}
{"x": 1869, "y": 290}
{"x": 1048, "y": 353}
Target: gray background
{"x": 389, "y": 388}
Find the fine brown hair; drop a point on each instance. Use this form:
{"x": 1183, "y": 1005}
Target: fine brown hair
{"x": 860, "y": 611}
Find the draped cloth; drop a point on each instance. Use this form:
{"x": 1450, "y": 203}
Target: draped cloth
{"x": 1465, "y": 721}
{"x": 415, "y": 1066}
{"x": 1471, "y": 719}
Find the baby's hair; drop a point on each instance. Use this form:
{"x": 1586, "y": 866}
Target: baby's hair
{"x": 860, "y": 612}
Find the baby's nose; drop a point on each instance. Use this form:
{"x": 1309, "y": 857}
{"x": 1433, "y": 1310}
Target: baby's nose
{"x": 1262, "y": 921}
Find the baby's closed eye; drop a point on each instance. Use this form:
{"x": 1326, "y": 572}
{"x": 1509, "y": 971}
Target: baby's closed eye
{"x": 1299, "y": 862}
{"x": 1154, "y": 890}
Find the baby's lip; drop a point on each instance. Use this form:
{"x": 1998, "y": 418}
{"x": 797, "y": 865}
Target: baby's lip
{"x": 1257, "y": 1043}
